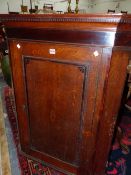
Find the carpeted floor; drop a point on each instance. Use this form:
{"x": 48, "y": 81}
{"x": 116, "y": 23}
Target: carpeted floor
{"x": 5, "y": 168}
{"x": 27, "y": 166}
{"x": 12, "y": 161}
{"x": 120, "y": 155}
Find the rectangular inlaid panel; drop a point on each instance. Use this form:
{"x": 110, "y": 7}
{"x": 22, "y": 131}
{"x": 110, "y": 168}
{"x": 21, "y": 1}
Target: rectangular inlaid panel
{"x": 55, "y": 97}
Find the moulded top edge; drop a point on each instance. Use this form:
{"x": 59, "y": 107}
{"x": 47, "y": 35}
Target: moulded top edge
{"x": 94, "y": 18}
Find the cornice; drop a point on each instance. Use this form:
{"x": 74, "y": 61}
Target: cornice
{"x": 89, "y": 18}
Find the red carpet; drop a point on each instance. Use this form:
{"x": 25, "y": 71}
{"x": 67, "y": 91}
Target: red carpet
{"x": 120, "y": 155}
{"x": 27, "y": 166}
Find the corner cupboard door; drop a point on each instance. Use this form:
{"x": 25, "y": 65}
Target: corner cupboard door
{"x": 58, "y": 91}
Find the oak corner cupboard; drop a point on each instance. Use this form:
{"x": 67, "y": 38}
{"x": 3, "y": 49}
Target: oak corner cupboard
{"x": 68, "y": 76}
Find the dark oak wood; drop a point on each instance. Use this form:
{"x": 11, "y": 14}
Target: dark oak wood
{"x": 68, "y": 73}
{"x": 111, "y": 104}
{"x": 61, "y": 35}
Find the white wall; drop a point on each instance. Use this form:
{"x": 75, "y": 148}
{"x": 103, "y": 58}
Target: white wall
{"x": 14, "y": 5}
{"x": 126, "y": 6}
{"x": 4, "y": 7}
{"x": 102, "y": 6}
{"x": 89, "y": 6}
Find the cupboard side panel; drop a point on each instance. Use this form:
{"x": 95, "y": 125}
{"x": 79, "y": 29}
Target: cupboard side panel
{"x": 111, "y": 101}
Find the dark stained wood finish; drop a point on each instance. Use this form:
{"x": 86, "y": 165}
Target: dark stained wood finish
{"x": 123, "y": 38}
{"x": 115, "y": 18}
{"x": 100, "y": 38}
{"x": 64, "y": 81}
{"x": 67, "y": 102}
{"x": 111, "y": 104}
{"x": 55, "y": 93}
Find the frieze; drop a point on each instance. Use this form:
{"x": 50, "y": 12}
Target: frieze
{"x": 67, "y": 18}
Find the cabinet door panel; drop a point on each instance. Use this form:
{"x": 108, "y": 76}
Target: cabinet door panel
{"x": 58, "y": 101}
{"x": 55, "y": 105}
